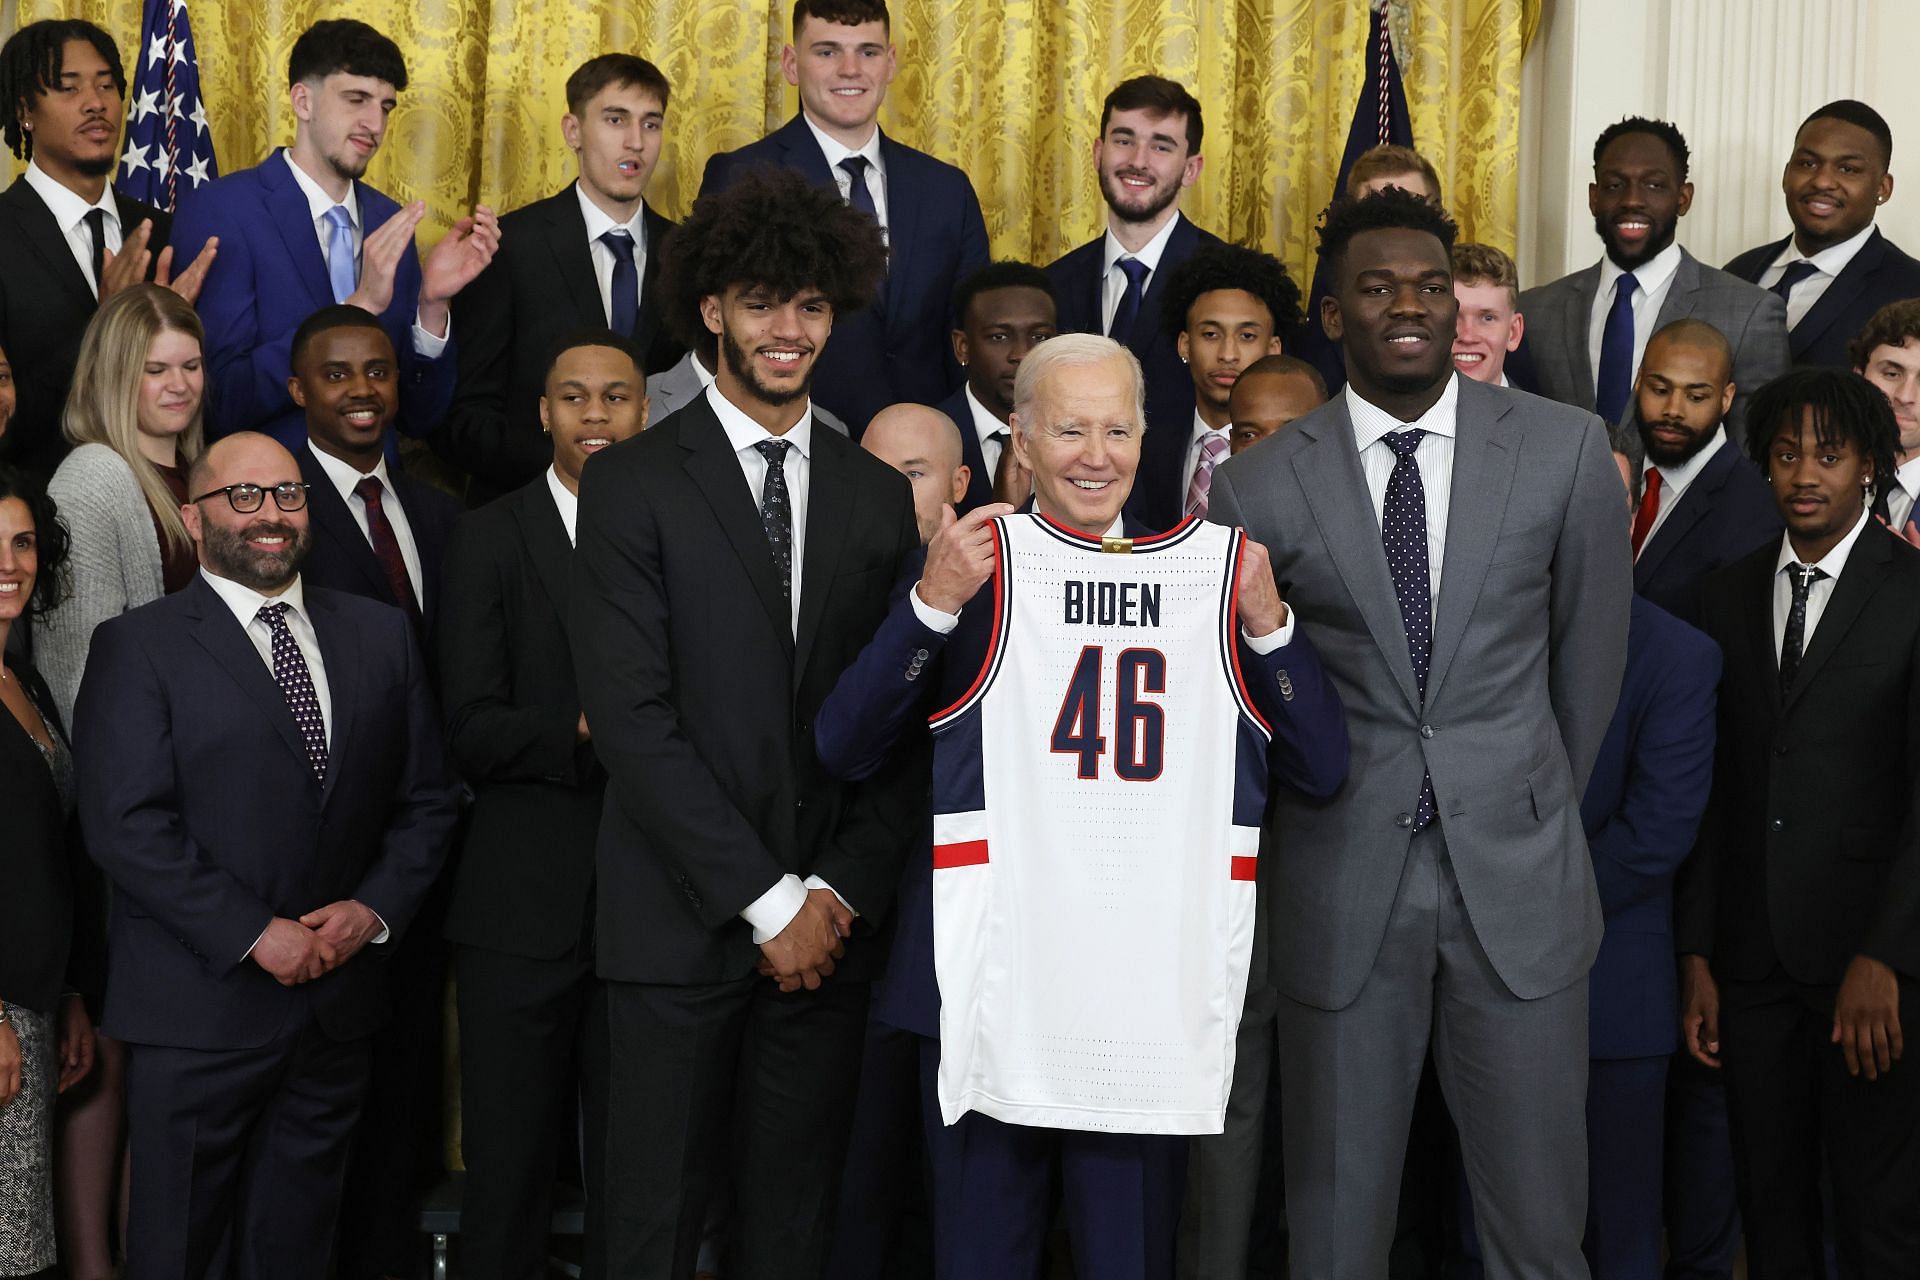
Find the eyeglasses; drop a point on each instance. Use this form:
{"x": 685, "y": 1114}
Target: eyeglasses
{"x": 247, "y": 498}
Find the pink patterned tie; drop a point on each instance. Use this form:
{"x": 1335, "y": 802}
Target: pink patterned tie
{"x": 1212, "y": 448}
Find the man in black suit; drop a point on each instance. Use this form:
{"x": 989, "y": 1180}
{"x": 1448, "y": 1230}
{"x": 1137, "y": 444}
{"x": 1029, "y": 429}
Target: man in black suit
{"x": 587, "y": 257}
{"x": 1836, "y": 269}
{"x": 67, "y": 240}
{"x": 1147, "y": 155}
{"x": 1887, "y": 354}
{"x": 731, "y": 562}
{"x": 264, "y": 782}
{"x": 1799, "y": 920}
{"x": 532, "y": 1013}
{"x": 1702, "y": 503}
{"x": 1000, "y": 313}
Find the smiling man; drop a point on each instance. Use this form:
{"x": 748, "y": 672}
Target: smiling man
{"x": 1490, "y": 324}
{"x": 1587, "y": 331}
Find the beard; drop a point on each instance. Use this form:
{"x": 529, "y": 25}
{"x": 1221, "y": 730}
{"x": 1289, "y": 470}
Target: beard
{"x": 229, "y": 555}
{"x": 100, "y": 167}
{"x": 1660, "y": 235}
{"x": 742, "y": 368}
{"x": 1665, "y": 455}
{"x": 1157, "y": 198}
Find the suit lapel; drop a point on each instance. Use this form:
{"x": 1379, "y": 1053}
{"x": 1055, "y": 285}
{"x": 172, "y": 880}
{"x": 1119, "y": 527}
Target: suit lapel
{"x": 903, "y": 216}
{"x": 287, "y": 205}
{"x": 545, "y": 538}
{"x": 829, "y": 500}
{"x": 1840, "y": 295}
{"x": 221, "y": 634}
{"x": 1484, "y": 456}
{"x": 647, "y": 324}
{"x": 1573, "y": 325}
{"x": 1679, "y": 301}
{"x": 38, "y": 228}
{"x": 330, "y": 519}
{"x": 803, "y": 152}
{"x": 1756, "y": 616}
{"x": 1691, "y": 509}
{"x": 1146, "y": 325}
{"x": 1866, "y": 568}
{"x": 566, "y": 237}
{"x": 715, "y": 471}
{"x": 343, "y": 678}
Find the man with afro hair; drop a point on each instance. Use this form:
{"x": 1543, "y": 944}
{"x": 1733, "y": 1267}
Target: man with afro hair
{"x": 731, "y": 563}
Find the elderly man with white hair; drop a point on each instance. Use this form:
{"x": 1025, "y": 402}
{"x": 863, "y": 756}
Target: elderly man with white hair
{"x": 1077, "y": 426}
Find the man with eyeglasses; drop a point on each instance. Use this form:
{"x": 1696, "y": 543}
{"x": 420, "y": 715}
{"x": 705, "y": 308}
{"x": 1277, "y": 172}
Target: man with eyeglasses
{"x": 264, "y": 782}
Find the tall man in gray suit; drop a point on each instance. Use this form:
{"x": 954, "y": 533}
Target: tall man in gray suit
{"x": 1456, "y": 553}
{"x": 1586, "y": 332}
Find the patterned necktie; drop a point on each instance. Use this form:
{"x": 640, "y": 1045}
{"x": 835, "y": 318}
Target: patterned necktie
{"x": 776, "y": 513}
{"x": 1649, "y": 510}
{"x": 1793, "y": 643}
{"x": 1793, "y": 275}
{"x": 623, "y": 296}
{"x": 296, "y": 686}
{"x": 1403, "y": 534}
{"x": 386, "y": 546}
{"x": 343, "y": 272}
{"x": 859, "y": 194}
{"x": 97, "y": 232}
{"x": 1129, "y": 309}
{"x": 1213, "y": 447}
{"x": 1615, "y": 379}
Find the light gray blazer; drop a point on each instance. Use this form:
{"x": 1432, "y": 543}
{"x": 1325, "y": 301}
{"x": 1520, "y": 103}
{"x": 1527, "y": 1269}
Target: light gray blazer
{"x": 113, "y": 566}
{"x": 668, "y": 392}
{"x": 1530, "y": 641}
{"x": 1753, "y": 320}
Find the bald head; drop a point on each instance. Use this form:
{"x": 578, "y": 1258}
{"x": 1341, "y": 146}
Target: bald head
{"x": 248, "y": 455}
{"x": 923, "y": 445}
{"x": 1696, "y": 335}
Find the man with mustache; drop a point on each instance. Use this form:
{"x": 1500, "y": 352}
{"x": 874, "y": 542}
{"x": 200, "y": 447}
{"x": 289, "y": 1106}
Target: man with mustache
{"x": 1147, "y": 155}
{"x": 1586, "y": 331}
{"x": 1836, "y": 269}
{"x": 265, "y": 784}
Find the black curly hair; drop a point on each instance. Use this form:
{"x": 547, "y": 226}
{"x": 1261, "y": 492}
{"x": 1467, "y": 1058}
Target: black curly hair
{"x": 30, "y": 64}
{"x": 771, "y": 229}
{"x": 1383, "y": 210}
{"x": 1845, "y": 407}
{"x": 1231, "y": 266}
{"x": 1676, "y": 142}
{"x": 50, "y": 533}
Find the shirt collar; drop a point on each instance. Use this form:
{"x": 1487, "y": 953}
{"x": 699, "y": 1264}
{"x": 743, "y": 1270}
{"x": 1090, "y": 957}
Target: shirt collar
{"x": 1908, "y": 476}
{"x": 69, "y": 207}
{"x": 1370, "y": 422}
{"x": 343, "y": 474}
{"x": 985, "y": 425}
{"x": 1834, "y": 561}
{"x": 1201, "y": 430}
{"x": 1149, "y": 252}
{"x": 1651, "y": 276}
{"x": 318, "y": 201}
{"x": 836, "y": 151}
{"x": 1679, "y": 477}
{"x": 743, "y": 432}
{"x": 598, "y": 223}
{"x": 567, "y": 502}
{"x": 246, "y": 602}
{"x": 1833, "y": 259}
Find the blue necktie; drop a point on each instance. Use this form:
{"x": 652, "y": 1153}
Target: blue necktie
{"x": 623, "y": 297}
{"x": 859, "y": 195}
{"x": 1793, "y": 275}
{"x": 342, "y": 271}
{"x": 1615, "y": 380}
{"x": 1403, "y": 534}
{"x": 1129, "y": 309}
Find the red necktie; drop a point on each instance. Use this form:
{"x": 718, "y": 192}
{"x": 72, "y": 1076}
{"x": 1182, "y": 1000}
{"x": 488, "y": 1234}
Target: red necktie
{"x": 1649, "y": 509}
{"x": 386, "y": 547}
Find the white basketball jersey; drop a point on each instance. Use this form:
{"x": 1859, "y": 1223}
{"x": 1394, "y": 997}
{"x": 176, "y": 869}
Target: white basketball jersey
{"x": 1097, "y": 805}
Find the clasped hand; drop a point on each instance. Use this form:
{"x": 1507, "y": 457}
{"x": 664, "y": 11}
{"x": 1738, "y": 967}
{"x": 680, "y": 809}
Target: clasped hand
{"x": 803, "y": 953}
{"x": 297, "y": 951}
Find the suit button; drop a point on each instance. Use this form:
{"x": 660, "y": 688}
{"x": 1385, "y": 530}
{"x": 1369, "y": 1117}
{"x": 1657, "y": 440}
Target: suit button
{"x": 1778, "y": 824}
{"x": 1426, "y": 731}
{"x": 1404, "y": 821}
{"x": 919, "y": 655}
{"x": 800, "y": 804}
{"x": 1286, "y": 687}
{"x": 1779, "y": 748}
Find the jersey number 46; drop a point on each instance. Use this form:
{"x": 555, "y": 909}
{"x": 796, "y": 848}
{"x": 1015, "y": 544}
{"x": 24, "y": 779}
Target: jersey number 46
{"x": 1139, "y": 726}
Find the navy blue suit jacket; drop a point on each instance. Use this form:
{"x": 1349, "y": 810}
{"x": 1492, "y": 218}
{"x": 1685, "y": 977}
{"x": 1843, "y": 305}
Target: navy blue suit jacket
{"x": 1641, "y": 811}
{"x": 342, "y": 558}
{"x": 1160, "y": 489}
{"x": 268, "y": 278}
{"x": 980, "y": 484}
{"x": 908, "y": 669}
{"x": 898, "y": 348}
{"x": 1725, "y": 514}
{"x": 197, "y": 799}
{"x": 1880, "y": 273}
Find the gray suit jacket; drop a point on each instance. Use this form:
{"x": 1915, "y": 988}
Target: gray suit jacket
{"x": 669, "y": 391}
{"x": 1530, "y": 642}
{"x": 1753, "y": 320}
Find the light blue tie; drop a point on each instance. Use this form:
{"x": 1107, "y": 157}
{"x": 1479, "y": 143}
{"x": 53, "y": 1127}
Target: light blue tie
{"x": 341, "y": 268}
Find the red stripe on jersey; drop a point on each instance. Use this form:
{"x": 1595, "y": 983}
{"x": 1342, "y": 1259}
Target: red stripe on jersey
{"x": 1233, "y": 647}
{"x": 1243, "y": 868}
{"x": 999, "y": 581}
{"x": 967, "y": 853}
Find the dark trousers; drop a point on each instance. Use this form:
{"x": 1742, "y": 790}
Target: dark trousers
{"x": 533, "y": 1057}
{"x": 991, "y": 1195}
{"x": 1224, "y": 1210}
{"x": 881, "y": 1230}
{"x": 1794, "y": 1110}
{"x": 238, "y": 1155}
{"x": 1702, "y": 1212}
{"x": 1626, "y": 1125}
{"x": 734, "y": 1078}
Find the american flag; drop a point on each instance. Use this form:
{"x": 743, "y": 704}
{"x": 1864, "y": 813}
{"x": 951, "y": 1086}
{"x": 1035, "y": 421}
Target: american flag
{"x": 167, "y": 135}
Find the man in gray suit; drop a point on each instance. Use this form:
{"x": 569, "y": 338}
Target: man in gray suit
{"x": 1457, "y": 555}
{"x": 1586, "y": 332}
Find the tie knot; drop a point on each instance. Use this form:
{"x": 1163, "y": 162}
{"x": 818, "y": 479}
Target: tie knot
{"x": 1805, "y": 575}
{"x": 774, "y": 451}
{"x": 1795, "y": 273}
{"x": 1134, "y": 269}
{"x": 856, "y": 167}
{"x": 97, "y": 219}
{"x": 274, "y": 615}
{"x": 1212, "y": 445}
{"x": 618, "y": 240}
{"x": 339, "y": 218}
{"x": 1654, "y": 480}
{"x": 369, "y": 490}
{"x": 1403, "y": 443}
{"x": 1626, "y": 286}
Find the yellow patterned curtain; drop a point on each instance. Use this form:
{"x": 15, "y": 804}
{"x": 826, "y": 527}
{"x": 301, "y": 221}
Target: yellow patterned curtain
{"x": 1009, "y": 90}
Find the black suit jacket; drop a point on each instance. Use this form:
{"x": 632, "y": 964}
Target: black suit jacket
{"x": 1160, "y": 489}
{"x": 1811, "y": 850}
{"x": 45, "y": 306}
{"x": 37, "y": 924}
{"x": 980, "y": 479}
{"x": 538, "y": 291}
{"x": 702, "y": 699}
{"x": 1880, "y": 273}
{"x": 197, "y": 799}
{"x": 342, "y": 559}
{"x": 1723, "y": 516}
{"x": 525, "y": 880}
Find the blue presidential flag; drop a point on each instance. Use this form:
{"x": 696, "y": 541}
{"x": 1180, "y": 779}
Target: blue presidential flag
{"x": 169, "y": 147}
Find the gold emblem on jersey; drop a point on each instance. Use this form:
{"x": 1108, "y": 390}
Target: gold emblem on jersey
{"x": 1117, "y": 546}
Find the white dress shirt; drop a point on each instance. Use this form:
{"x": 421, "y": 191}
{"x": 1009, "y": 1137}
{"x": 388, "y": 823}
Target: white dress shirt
{"x": 1114, "y": 281}
{"x": 345, "y": 478}
{"x": 70, "y": 212}
{"x": 1674, "y": 482}
{"x": 565, "y": 501}
{"x": 988, "y": 428}
{"x": 1901, "y": 495}
{"x": 1200, "y": 433}
{"x": 1817, "y": 594}
{"x": 598, "y": 224}
{"x": 1434, "y": 457}
{"x": 1827, "y": 266}
{"x": 836, "y": 151}
{"x": 1654, "y": 278}
{"x": 318, "y": 202}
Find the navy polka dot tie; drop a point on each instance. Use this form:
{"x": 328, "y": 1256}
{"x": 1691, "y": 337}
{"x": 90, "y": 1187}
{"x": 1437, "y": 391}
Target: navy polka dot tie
{"x": 296, "y": 686}
{"x": 1403, "y": 533}
{"x": 776, "y": 512}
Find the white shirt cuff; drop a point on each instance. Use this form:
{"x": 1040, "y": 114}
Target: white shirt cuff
{"x": 429, "y": 346}
{"x": 931, "y": 618}
{"x": 248, "y": 953}
{"x": 775, "y": 909}
{"x": 384, "y": 933}
{"x": 1264, "y": 645}
{"x": 815, "y": 882}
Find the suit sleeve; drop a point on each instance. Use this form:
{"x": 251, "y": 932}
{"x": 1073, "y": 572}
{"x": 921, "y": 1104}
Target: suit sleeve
{"x": 1893, "y": 938}
{"x": 124, "y": 766}
{"x": 248, "y": 350}
{"x": 427, "y": 386}
{"x": 1589, "y": 605}
{"x": 1761, "y": 353}
{"x": 884, "y": 694}
{"x": 479, "y": 434}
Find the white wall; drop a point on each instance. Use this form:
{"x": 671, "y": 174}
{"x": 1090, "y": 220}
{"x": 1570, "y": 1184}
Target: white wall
{"x": 1737, "y": 77}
